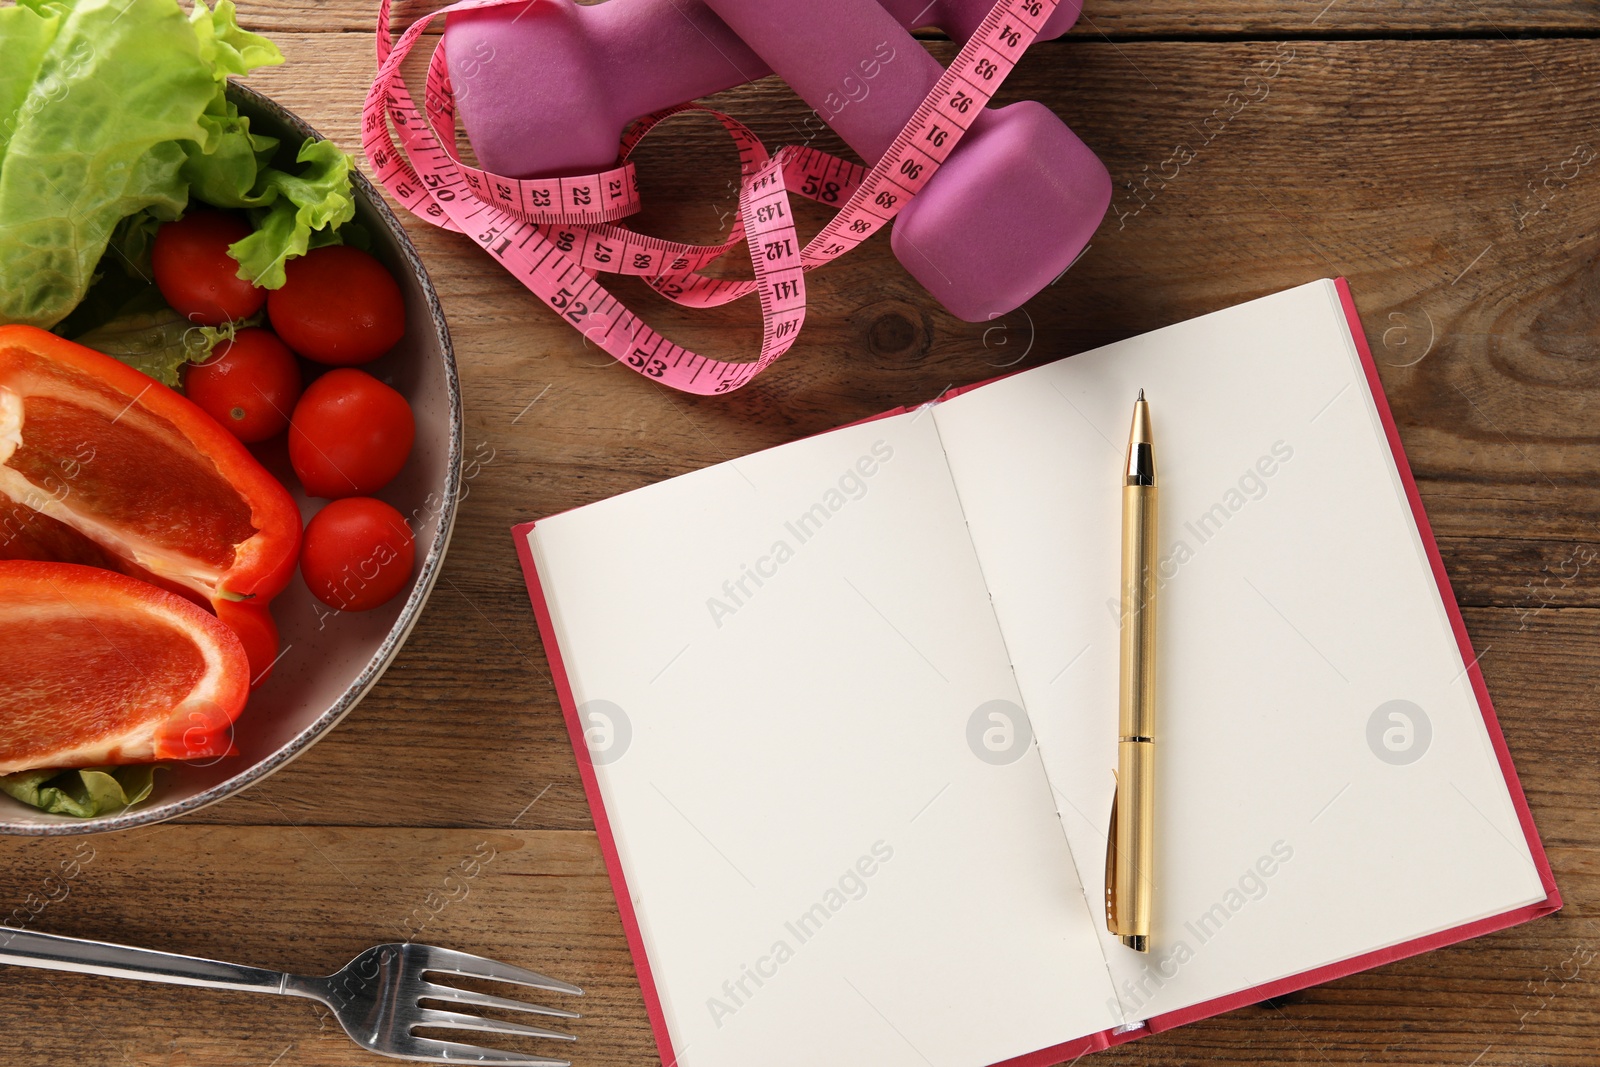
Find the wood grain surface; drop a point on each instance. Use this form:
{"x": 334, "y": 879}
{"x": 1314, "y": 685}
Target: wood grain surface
{"x": 1444, "y": 158}
{"x": 1129, "y": 18}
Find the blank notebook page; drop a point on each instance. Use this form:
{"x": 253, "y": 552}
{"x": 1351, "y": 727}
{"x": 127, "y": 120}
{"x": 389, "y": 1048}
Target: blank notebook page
{"x": 783, "y": 654}
{"x": 1300, "y": 822}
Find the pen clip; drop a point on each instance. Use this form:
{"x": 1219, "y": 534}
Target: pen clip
{"x": 1111, "y": 864}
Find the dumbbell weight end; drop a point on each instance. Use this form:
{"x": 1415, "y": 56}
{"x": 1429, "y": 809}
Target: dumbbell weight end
{"x": 1011, "y": 206}
{"x": 965, "y": 240}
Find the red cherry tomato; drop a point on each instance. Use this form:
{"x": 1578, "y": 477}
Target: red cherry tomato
{"x": 358, "y": 554}
{"x": 350, "y": 434}
{"x": 195, "y": 273}
{"x": 249, "y": 384}
{"x": 338, "y": 306}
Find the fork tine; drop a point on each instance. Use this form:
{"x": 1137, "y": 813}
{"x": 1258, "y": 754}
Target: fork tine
{"x": 434, "y": 991}
{"x": 455, "y": 1052}
{"x": 454, "y": 1020}
{"x": 449, "y": 961}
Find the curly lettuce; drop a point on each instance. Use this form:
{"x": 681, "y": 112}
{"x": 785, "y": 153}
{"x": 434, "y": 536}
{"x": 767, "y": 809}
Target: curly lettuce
{"x": 111, "y": 109}
{"x": 295, "y": 213}
{"x": 290, "y": 212}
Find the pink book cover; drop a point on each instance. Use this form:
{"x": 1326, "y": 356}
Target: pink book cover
{"x": 1105, "y": 1039}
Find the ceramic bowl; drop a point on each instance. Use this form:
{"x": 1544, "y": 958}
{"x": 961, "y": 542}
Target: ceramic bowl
{"x": 328, "y": 659}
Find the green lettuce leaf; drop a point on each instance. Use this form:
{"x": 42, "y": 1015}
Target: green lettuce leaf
{"x": 223, "y": 170}
{"x": 97, "y": 136}
{"x": 83, "y": 793}
{"x": 301, "y": 211}
{"x": 26, "y": 31}
{"x": 231, "y": 167}
{"x": 229, "y": 48}
{"x": 224, "y": 166}
{"x": 152, "y": 338}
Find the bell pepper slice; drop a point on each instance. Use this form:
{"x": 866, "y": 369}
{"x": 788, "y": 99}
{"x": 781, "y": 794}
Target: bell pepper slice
{"x": 141, "y": 473}
{"x": 116, "y": 671}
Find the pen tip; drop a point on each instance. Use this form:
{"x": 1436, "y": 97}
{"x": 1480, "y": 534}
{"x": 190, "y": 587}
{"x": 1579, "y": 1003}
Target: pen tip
{"x": 1141, "y": 396}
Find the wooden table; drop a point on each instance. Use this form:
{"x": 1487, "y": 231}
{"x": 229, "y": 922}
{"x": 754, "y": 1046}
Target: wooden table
{"x": 1444, "y": 158}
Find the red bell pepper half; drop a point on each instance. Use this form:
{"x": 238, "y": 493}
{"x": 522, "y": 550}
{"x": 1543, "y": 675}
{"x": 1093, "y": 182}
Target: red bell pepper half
{"x": 114, "y": 671}
{"x": 123, "y": 467}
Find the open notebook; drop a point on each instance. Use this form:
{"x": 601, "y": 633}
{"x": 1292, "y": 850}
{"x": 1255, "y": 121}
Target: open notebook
{"x": 847, "y": 710}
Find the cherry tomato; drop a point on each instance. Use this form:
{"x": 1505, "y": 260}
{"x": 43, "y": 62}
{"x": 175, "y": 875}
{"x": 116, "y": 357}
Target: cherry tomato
{"x": 249, "y": 384}
{"x": 350, "y": 434}
{"x": 195, "y": 273}
{"x": 338, "y": 306}
{"x": 358, "y": 554}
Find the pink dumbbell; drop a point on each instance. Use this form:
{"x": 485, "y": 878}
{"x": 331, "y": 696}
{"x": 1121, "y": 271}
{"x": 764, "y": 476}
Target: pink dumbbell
{"x": 547, "y": 89}
{"x": 1012, "y": 206}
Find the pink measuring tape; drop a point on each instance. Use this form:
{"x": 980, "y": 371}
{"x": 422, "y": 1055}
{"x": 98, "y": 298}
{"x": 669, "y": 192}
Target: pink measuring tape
{"x": 556, "y": 234}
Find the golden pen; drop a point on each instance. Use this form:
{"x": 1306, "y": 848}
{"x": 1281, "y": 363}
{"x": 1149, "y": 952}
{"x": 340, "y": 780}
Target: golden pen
{"x": 1130, "y": 842}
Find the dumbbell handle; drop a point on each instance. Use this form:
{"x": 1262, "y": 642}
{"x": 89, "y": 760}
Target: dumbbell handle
{"x": 820, "y": 45}
{"x": 582, "y": 72}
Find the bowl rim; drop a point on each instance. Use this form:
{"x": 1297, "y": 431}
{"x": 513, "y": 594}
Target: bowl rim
{"x": 252, "y": 101}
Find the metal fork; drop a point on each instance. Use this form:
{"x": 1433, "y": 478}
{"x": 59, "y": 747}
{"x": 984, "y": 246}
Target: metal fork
{"x": 377, "y": 997}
